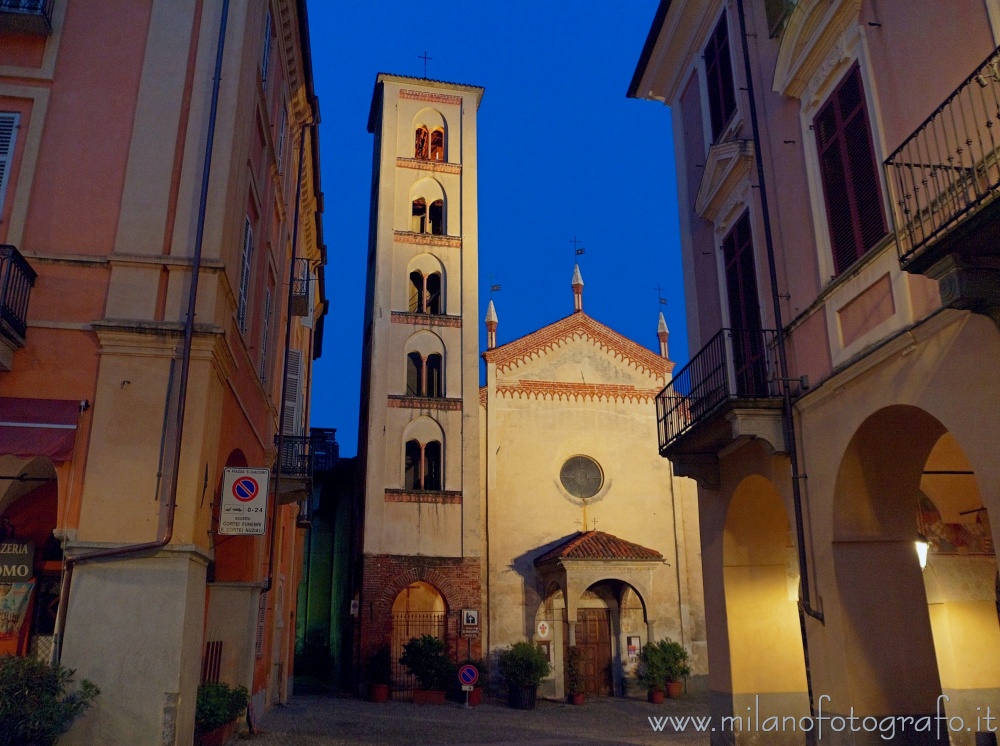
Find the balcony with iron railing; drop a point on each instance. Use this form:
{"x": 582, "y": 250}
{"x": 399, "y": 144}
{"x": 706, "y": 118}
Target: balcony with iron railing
{"x": 26, "y": 16}
{"x": 301, "y": 288}
{"x": 16, "y": 280}
{"x": 726, "y": 392}
{"x": 300, "y": 458}
{"x": 943, "y": 182}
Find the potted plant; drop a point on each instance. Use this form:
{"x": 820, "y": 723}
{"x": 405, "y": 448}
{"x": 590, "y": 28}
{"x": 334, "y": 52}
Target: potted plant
{"x": 35, "y": 707}
{"x": 677, "y": 667}
{"x": 426, "y": 659}
{"x": 379, "y": 674}
{"x": 523, "y": 666}
{"x": 216, "y": 710}
{"x": 574, "y": 675}
{"x": 653, "y": 670}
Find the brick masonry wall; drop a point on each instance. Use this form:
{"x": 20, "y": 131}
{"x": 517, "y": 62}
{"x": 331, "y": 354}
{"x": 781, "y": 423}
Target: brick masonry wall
{"x": 385, "y": 576}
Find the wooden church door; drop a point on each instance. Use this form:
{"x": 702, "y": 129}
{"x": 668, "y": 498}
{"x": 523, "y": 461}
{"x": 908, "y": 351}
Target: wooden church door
{"x": 593, "y": 637}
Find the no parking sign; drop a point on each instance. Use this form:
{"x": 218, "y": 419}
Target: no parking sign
{"x": 244, "y": 502}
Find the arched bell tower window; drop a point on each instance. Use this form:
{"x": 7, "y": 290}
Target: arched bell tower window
{"x": 425, "y": 376}
{"x": 420, "y": 143}
{"x": 437, "y": 145}
{"x": 436, "y": 214}
{"x": 423, "y": 466}
{"x": 425, "y": 293}
{"x": 418, "y": 221}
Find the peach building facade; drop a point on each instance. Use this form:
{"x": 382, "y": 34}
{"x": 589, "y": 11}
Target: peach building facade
{"x": 159, "y": 198}
{"x": 836, "y": 164}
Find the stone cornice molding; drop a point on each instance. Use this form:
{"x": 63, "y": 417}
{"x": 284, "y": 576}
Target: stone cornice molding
{"x": 726, "y": 168}
{"x": 567, "y": 391}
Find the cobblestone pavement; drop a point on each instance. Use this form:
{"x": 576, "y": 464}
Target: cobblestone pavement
{"x": 331, "y": 721}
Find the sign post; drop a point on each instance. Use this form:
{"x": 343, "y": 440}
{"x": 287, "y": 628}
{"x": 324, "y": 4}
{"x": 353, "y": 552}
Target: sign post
{"x": 468, "y": 675}
{"x": 244, "y": 502}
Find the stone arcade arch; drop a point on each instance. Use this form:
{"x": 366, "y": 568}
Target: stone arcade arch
{"x": 901, "y": 473}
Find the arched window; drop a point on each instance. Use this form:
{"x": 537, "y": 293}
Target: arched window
{"x": 423, "y": 466}
{"x": 418, "y": 223}
{"x": 433, "y": 305}
{"x": 437, "y": 217}
{"x": 417, "y": 292}
{"x": 425, "y": 378}
{"x": 420, "y": 142}
{"x": 432, "y": 466}
{"x": 414, "y": 456}
{"x": 414, "y": 374}
{"x": 437, "y": 145}
{"x": 433, "y": 378}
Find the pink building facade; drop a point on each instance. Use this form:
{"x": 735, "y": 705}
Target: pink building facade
{"x": 836, "y": 165}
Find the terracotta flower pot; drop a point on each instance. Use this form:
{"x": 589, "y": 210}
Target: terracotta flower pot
{"x": 577, "y": 698}
{"x": 475, "y": 697}
{"x": 378, "y": 692}
{"x": 429, "y": 697}
{"x": 655, "y": 696}
{"x": 675, "y": 689}
{"x": 218, "y": 737}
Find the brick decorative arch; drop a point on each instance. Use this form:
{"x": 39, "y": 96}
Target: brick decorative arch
{"x": 431, "y": 576}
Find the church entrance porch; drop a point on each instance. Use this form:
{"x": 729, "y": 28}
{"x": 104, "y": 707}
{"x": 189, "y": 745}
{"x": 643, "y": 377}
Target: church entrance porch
{"x": 593, "y": 638}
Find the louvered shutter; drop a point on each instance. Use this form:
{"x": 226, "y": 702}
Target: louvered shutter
{"x": 719, "y": 78}
{"x": 849, "y": 173}
{"x": 244, "y": 291}
{"x": 744, "y": 309}
{"x": 8, "y": 136}
{"x": 293, "y": 392}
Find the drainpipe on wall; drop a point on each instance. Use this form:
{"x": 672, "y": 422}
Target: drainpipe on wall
{"x": 171, "y": 505}
{"x": 788, "y": 421}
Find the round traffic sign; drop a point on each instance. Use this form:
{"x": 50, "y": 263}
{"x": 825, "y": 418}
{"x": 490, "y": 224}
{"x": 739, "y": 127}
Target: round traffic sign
{"x": 245, "y": 489}
{"x": 468, "y": 674}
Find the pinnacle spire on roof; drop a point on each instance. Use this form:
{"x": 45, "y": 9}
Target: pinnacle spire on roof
{"x": 577, "y": 285}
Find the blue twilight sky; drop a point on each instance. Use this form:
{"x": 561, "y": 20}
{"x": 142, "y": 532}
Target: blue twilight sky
{"x": 562, "y": 153}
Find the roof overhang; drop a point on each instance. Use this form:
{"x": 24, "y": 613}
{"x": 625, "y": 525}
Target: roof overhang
{"x": 38, "y": 427}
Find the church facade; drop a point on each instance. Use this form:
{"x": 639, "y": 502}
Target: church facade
{"x": 530, "y": 508}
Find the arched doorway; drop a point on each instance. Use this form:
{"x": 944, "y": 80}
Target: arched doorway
{"x": 419, "y": 609}
{"x": 929, "y": 632}
{"x": 30, "y": 557}
{"x": 761, "y": 578}
{"x": 610, "y": 622}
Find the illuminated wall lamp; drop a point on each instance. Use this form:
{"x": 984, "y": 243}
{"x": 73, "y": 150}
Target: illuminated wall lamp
{"x": 922, "y": 546}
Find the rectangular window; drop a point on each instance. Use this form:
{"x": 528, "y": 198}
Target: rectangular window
{"x": 777, "y": 12}
{"x": 279, "y": 148}
{"x": 244, "y": 292}
{"x": 849, "y": 172}
{"x": 8, "y": 136}
{"x": 266, "y": 56}
{"x": 749, "y": 359}
{"x": 265, "y": 328}
{"x": 293, "y": 393}
{"x": 719, "y": 78}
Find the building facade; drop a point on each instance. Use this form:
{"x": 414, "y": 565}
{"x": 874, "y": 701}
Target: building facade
{"x": 836, "y": 163}
{"x": 163, "y": 301}
{"x": 473, "y": 529}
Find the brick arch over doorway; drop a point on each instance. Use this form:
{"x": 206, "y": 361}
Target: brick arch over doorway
{"x": 385, "y": 576}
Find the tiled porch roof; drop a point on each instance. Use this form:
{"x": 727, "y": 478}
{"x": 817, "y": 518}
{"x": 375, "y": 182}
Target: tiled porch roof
{"x": 597, "y": 545}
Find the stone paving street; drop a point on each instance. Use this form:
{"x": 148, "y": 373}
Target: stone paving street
{"x": 330, "y": 721}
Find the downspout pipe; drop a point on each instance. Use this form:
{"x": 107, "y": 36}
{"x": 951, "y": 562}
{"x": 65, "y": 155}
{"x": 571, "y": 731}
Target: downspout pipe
{"x": 787, "y": 418}
{"x": 171, "y": 506}
{"x": 288, "y": 343}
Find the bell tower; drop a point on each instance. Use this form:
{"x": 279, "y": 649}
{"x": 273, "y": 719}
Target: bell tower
{"x": 419, "y": 432}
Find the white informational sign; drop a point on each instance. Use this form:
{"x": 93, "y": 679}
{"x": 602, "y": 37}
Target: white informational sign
{"x": 244, "y": 502}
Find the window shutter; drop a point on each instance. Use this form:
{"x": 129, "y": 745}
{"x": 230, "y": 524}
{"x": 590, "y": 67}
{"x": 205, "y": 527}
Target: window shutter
{"x": 849, "y": 173}
{"x": 265, "y": 58}
{"x": 744, "y": 310}
{"x": 293, "y": 392}
{"x": 719, "y": 78}
{"x": 265, "y": 328}
{"x": 8, "y": 136}
{"x": 282, "y": 132}
{"x": 241, "y": 304}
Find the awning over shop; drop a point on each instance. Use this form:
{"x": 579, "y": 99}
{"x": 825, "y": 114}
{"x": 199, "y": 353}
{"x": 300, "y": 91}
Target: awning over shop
{"x": 38, "y": 427}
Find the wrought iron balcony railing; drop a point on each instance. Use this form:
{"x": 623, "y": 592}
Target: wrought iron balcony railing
{"x": 295, "y": 459}
{"x": 735, "y": 364}
{"x": 26, "y": 16}
{"x": 325, "y": 449}
{"x": 301, "y": 288}
{"x": 16, "y": 280}
{"x": 948, "y": 169}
